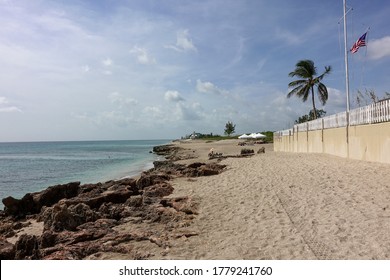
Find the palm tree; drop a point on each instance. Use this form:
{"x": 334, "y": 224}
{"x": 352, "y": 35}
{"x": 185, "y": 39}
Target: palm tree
{"x": 306, "y": 70}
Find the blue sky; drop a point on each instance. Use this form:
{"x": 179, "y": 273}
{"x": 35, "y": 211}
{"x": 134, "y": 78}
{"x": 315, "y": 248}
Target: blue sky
{"x": 141, "y": 69}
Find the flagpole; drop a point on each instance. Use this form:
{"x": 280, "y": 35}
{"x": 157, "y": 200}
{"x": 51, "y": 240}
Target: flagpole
{"x": 346, "y": 73}
{"x": 346, "y": 59}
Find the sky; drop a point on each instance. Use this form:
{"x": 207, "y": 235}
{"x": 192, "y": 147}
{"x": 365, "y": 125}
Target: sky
{"x": 148, "y": 69}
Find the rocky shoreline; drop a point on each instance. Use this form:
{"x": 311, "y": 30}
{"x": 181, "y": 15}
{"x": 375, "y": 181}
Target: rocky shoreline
{"x": 133, "y": 218}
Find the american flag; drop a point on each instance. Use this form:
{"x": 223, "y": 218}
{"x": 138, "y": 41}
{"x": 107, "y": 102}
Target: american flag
{"x": 361, "y": 42}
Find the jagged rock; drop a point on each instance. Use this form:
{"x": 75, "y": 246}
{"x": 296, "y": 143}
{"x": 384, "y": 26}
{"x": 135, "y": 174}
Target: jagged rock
{"x": 95, "y": 199}
{"x": 54, "y": 194}
{"x": 147, "y": 180}
{"x": 167, "y": 166}
{"x": 164, "y": 150}
{"x": 48, "y": 239}
{"x": 27, "y": 247}
{"x": 32, "y": 203}
{"x": 153, "y": 193}
{"x": 134, "y": 201}
{"x": 201, "y": 169}
{"x": 19, "y": 207}
{"x": 182, "y": 204}
{"x": 196, "y": 165}
{"x": 7, "y": 250}
{"x": 247, "y": 151}
{"x": 158, "y": 190}
{"x": 114, "y": 211}
{"x": 89, "y": 238}
{"x": 61, "y": 217}
{"x": 7, "y": 227}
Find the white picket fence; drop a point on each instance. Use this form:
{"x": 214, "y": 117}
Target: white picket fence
{"x": 375, "y": 113}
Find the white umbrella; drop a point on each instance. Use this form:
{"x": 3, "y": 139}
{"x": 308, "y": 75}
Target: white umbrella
{"x": 244, "y": 136}
{"x": 259, "y": 135}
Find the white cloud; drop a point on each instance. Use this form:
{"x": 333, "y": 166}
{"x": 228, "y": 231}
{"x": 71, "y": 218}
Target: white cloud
{"x": 86, "y": 68}
{"x": 117, "y": 118}
{"x": 3, "y": 100}
{"x": 191, "y": 112}
{"x": 379, "y": 48}
{"x": 153, "y": 110}
{"x": 120, "y": 100}
{"x": 4, "y": 108}
{"x": 11, "y": 109}
{"x": 208, "y": 87}
{"x": 183, "y": 42}
{"x": 142, "y": 55}
{"x": 106, "y": 119}
{"x": 173, "y": 96}
{"x": 107, "y": 62}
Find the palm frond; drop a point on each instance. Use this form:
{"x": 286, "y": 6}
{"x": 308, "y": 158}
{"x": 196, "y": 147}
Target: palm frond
{"x": 304, "y": 69}
{"x": 297, "y": 83}
{"x": 328, "y": 69}
{"x": 304, "y": 93}
{"x": 322, "y": 93}
{"x": 295, "y": 91}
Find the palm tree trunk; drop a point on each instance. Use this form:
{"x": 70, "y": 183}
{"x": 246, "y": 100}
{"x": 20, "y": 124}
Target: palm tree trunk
{"x": 314, "y": 105}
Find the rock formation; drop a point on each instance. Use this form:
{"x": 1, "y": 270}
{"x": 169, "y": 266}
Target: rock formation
{"x": 82, "y": 221}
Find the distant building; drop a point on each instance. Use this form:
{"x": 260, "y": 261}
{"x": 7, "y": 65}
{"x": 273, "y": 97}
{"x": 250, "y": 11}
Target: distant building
{"x": 195, "y": 135}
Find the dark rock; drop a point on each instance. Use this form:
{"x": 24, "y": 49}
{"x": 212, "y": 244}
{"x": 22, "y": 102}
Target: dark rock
{"x": 113, "y": 211}
{"x": 54, "y": 194}
{"x": 200, "y": 169}
{"x": 168, "y": 167}
{"x": 61, "y": 217}
{"x": 147, "y": 180}
{"x": 196, "y": 165}
{"x": 164, "y": 150}
{"x": 96, "y": 199}
{"x": 27, "y": 247}
{"x": 99, "y": 224}
{"x": 19, "y": 207}
{"x": 48, "y": 239}
{"x": 7, "y": 227}
{"x": 134, "y": 201}
{"x": 7, "y": 250}
{"x": 158, "y": 190}
{"x": 32, "y": 203}
{"x": 247, "y": 151}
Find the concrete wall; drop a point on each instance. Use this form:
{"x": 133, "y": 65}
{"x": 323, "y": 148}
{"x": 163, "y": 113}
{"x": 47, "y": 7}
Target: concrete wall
{"x": 365, "y": 142}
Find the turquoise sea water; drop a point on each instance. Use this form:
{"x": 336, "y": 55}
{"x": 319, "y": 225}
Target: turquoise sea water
{"x": 33, "y": 166}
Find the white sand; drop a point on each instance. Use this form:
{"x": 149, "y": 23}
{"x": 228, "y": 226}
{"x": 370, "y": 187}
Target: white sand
{"x": 287, "y": 206}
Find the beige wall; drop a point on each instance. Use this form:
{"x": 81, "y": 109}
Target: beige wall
{"x": 365, "y": 142}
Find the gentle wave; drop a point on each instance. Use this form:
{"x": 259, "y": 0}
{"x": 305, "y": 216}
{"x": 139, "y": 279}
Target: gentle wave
{"x": 31, "y": 167}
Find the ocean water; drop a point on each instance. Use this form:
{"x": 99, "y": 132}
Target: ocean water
{"x": 33, "y": 166}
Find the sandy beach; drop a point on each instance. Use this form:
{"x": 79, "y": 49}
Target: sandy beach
{"x": 285, "y": 206}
